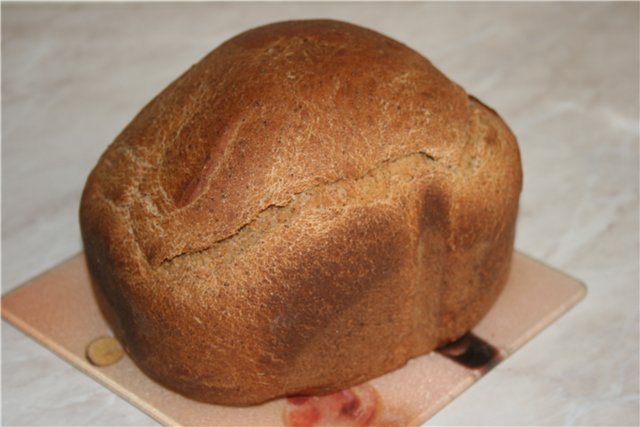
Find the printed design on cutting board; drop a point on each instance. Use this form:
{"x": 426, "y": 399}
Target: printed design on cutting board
{"x": 357, "y": 406}
{"x": 473, "y": 352}
{"x": 362, "y": 405}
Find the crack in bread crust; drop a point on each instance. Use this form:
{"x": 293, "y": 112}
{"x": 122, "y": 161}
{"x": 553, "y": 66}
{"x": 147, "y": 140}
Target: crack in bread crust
{"x": 377, "y": 185}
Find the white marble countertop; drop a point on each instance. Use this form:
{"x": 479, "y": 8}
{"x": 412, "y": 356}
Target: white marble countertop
{"x": 563, "y": 75}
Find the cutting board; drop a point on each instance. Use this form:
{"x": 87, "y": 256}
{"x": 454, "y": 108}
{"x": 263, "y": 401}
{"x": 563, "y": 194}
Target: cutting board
{"x": 58, "y": 310}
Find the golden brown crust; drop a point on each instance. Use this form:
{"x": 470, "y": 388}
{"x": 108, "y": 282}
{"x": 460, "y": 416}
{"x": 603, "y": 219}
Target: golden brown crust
{"x": 308, "y": 192}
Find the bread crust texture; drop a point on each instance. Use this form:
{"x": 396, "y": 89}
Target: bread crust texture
{"x": 308, "y": 207}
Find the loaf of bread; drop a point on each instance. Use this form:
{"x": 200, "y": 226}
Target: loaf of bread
{"x": 309, "y": 206}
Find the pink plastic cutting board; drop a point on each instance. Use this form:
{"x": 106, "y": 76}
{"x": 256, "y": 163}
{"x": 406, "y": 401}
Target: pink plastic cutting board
{"x": 59, "y": 311}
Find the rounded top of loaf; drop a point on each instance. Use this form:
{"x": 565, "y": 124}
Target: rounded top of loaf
{"x": 268, "y": 115}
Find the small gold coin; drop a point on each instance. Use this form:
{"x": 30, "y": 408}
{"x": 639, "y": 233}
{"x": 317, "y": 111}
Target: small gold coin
{"x": 104, "y": 351}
